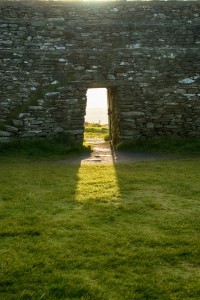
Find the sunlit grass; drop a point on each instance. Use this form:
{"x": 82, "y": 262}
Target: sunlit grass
{"x": 99, "y": 231}
{"x": 95, "y": 130}
{"x": 99, "y": 184}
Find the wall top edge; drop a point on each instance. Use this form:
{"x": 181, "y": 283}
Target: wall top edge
{"x": 99, "y": 2}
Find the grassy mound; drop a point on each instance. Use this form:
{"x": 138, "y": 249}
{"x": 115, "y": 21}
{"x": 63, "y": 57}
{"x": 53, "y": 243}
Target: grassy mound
{"x": 42, "y": 147}
{"x": 189, "y": 146}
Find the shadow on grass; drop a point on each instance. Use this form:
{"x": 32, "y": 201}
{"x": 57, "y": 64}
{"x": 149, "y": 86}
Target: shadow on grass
{"x": 171, "y": 145}
{"x": 37, "y": 148}
{"x": 120, "y": 231}
{"x": 147, "y": 212}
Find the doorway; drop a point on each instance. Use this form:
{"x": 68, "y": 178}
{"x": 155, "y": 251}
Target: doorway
{"x": 97, "y": 117}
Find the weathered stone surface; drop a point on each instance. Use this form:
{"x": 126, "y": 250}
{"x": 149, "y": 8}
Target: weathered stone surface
{"x": 133, "y": 114}
{"x": 4, "y": 133}
{"x": 5, "y": 139}
{"x": 146, "y": 55}
{"x": 49, "y": 94}
{"x": 17, "y": 123}
{"x": 40, "y": 102}
{"x": 11, "y": 129}
{"x": 59, "y": 130}
{"x": 150, "y": 125}
{"x": 35, "y": 107}
{"x": 23, "y": 115}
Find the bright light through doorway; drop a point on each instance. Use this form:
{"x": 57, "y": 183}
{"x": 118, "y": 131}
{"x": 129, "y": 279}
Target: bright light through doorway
{"x": 97, "y": 106}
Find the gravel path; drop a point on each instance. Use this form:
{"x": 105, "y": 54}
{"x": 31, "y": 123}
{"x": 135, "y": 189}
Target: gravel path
{"x": 104, "y": 154}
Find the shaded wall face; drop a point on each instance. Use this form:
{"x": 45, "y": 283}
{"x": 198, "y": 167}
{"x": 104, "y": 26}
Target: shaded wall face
{"x": 51, "y": 52}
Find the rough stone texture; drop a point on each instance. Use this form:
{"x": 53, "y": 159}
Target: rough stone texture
{"x": 146, "y": 53}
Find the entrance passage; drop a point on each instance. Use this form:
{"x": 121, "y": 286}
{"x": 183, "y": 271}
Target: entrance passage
{"x": 102, "y": 114}
{"x": 96, "y": 119}
{"x": 97, "y": 106}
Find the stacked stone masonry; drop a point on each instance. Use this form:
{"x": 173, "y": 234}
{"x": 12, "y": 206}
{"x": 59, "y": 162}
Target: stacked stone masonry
{"x": 147, "y": 54}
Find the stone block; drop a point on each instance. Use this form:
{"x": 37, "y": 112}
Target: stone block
{"x": 17, "y": 123}
{"x": 111, "y": 77}
{"x": 150, "y": 125}
{"x": 58, "y": 130}
{"x": 52, "y": 94}
{"x": 31, "y": 133}
{"x": 40, "y": 102}
{"x": 133, "y": 114}
{"x": 36, "y": 122}
{"x": 5, "y": 133}
{"x": 11, "y": 128}
{"x": 35, "y": 107}
{"x": 5, "y": 139}
{"x": 23, "y": 115}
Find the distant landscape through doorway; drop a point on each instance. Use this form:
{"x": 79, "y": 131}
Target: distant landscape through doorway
{"x": 97, "y": 106}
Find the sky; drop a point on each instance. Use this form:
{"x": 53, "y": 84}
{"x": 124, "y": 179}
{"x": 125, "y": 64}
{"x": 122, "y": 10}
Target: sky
{"x": 97, "y": 108}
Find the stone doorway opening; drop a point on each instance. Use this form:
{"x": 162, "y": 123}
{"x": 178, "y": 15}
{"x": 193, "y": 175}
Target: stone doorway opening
{"x": 97, "y": 114}
{"x": 105, "y": 98}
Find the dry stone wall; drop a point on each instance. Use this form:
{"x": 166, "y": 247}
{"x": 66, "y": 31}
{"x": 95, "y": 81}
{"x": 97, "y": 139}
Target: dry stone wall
{"x": 146, "y": 53}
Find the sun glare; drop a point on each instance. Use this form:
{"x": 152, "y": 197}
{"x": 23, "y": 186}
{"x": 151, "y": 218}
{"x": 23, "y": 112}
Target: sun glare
{"x": 97, "y": 106}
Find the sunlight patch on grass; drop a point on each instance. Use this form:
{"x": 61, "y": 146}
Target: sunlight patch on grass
{"x": 128, "y": 231}
{"x": 102, "y": 187}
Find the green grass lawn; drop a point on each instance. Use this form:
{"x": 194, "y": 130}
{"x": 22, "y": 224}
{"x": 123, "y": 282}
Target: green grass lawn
{"x": 129, "y": 231}
{"x": 96, "y": 130}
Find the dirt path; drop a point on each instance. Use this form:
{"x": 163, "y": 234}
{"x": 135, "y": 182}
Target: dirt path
{"x": 104, "y": 154}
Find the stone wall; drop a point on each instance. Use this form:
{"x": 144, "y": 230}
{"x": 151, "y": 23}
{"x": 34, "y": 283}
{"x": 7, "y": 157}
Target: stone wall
{"x": 146, "y": 53}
